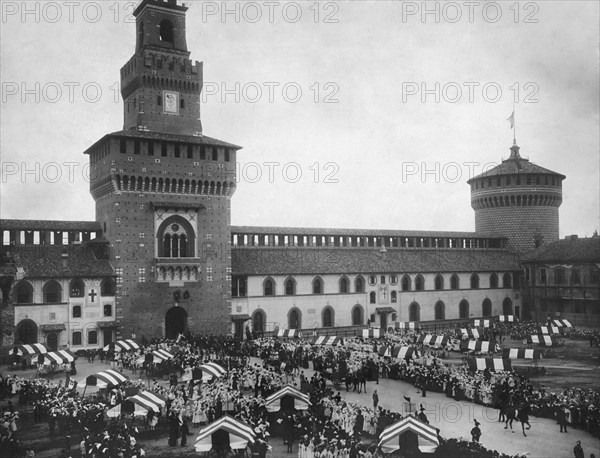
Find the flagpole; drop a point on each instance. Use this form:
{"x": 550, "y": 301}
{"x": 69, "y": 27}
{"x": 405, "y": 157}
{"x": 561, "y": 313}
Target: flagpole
{"x": 515, "y": 125}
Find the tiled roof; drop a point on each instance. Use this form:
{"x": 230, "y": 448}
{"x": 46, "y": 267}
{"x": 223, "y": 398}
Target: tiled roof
{"x": 43, "y": 261}
{"x": 299, "y": 260}
{"x": 570, "y": 250}
{"x": 258, "y": 230}
{"x": 49, "y": 225}
{"x": 515, "y": 164}
{"x": 204, "y": 140}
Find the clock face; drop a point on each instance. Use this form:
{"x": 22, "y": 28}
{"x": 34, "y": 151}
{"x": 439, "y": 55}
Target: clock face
{"x": 170, "y": 104}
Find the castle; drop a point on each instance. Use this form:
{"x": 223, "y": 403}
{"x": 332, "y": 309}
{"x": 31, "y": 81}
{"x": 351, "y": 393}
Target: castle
{"x": 162, "y": 257}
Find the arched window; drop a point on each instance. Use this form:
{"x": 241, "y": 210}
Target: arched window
{"x": 77, "y": 311}
{"x": 414, "y": 312}
{"x": 343, "y": 285}
{"x": 419, "y": 283}
{"x": 372, "y": 297}
{"x": 76, "y": 288}
{"x": 24, "y": 293}
{"x": 290, "y": 287}
{"x": 439, "y": 282}
{"x": 269, "y": 287}
{"x": 493, "y": 280}
{"x": 107, "y": 287}
{"x": 107, "y": 309}
{"x": 454, "y": 282}
{"x": 506, "y": 280}
{"x": 258, "y": 321}
{"x": 474, "y": 281}
{"x": 439, "y": 311}
{"x": 359, "y": 285}
{"x": 357, "y": 315}
{"x": 463, "y": 309}
{"x": 166, "y": 31}
{"x": 394, "y": 296}
{"x": 175, "y": 238}
{"x": 486, "y": 307}
{"x": 52, "y": 292}
{"x": 405, "y": 283}
{"x": 372, "y": 280}
{"x": 507, "y": 307}
{"x": 317, "y": 286}
{"x": 295, "y": 319}
{"x": 328, "y": 317}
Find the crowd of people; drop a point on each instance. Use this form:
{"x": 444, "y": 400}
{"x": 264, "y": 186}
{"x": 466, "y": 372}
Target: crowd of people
{"x": 332, "y": 428}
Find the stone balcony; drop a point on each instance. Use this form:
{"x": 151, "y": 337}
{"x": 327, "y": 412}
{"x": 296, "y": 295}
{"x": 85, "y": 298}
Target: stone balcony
{"x": 177, "y": 271}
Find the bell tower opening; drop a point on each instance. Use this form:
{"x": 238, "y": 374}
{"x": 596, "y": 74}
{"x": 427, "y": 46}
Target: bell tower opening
{"x": 166, "y": 31}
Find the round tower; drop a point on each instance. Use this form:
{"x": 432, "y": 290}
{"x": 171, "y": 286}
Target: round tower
{"x": 518, "y": 200}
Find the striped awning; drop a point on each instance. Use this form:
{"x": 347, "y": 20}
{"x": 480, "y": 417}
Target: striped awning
{"x": 507, "y": 318}
{"x": 492, "y": 364}
{"x": 59, "y": 357}
{"x": 468, "y": 333}
{"x": 521, "y": 353}
{"x": 328, "y": 340}
{"x": 389, "y": 438}
{"x": 551, "y": 330}
{"x": 149, "y": 400}
{"x": 433, "y": 340}
{"x": 406, "y": 325}
{"x": 385, "y": 351}
{"x": 541, "y": 339}
{"x": 289, "y": 333}
{"x": 158, "y": 355}
{"x": 301, "y": 400}
{"x": 404, "y": 352}
{"x": 563, "y": 323}
{"x": 371, "y": 332}
{"x": 239, "y": 434}
{"x": 475, "y": 345}
{"x": 481, "y": 323}
{"x": 106, "y": 378}
{"x": 123, "y": 345}
{"x": 210, "y": 370}
{"x": 30, "y": 349}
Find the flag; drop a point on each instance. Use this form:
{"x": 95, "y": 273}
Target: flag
{"x": 511, "y": 119}
{"x": 407, "y": 398}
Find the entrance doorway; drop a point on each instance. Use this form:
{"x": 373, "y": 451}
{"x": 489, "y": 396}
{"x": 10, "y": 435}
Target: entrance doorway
{"x": 383, "y": 319}
{"x": 107, "y": 336}
{"x": 27, "y": 332}
{"x": 52, "y": 341}
{"x": 176, "y": 320}
{"x": 239, "y": 329}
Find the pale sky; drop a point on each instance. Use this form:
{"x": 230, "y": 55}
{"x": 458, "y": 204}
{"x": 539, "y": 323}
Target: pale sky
{"x": 366, "y": 58}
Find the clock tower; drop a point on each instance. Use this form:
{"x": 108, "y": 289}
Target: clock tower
{"x": 160, "y": 85}
{"x": 162, "y": 190}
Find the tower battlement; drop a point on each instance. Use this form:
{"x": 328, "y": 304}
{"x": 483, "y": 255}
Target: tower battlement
{"x": 518, "y": 199}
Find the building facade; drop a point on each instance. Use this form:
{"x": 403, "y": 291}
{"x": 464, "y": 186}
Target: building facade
{"x": 562, "y": 278}
{"x": 302, "y": 278}
{"x": 58, "y": 285}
